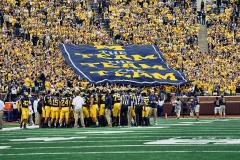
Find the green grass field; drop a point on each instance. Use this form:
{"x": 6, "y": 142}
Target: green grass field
{"x": 207, "y": 139}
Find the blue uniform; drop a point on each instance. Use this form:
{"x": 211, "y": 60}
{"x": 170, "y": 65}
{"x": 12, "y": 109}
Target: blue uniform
{"x": 152, "y": 101}
{"x": 109, "y": 102}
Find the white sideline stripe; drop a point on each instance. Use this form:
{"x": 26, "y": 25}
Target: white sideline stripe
{"x": 103, "y": 132}
{"x": 94, "y": 146}
{"x": 115, "y": 152}
{"x": 17, "y": 128}
{"x": 177, "y": 124}
{"x": 170, "y": 132}
{"x": 30, "y": 139}
{"x": 130, "y": 131}
{"x": 151, "y": 127}
{"x": 117, "y": 146}
{"x": 106, "y": 141}
{"x": 101, "y": 141}
{"x": 120, "y": 137}
{"x": 4, "y": 147}
{"x": 150, "y": 132}
{"x": 129, "y": 139}
{"x": 196, "y": 122}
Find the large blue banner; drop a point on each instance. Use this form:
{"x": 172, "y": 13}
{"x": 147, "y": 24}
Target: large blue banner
{"x": 135, "y": 64}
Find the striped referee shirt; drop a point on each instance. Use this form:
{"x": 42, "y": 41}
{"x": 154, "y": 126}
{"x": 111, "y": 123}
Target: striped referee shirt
{"x": 126, "y": 99}
{"x": 138, "y": 100}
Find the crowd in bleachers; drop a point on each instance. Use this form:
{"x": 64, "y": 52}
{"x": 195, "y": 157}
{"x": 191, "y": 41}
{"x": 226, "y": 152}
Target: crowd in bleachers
{"x": 30, "y": 31}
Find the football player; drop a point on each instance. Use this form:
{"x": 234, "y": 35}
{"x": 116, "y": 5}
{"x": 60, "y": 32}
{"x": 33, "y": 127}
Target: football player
{"x": 86, "y": 105}
{"x": 146, "y": 110}
{"x": 55, "y": 110}
{"x": 101, "y": 113}
{"x": 93, "y": 108}
{"x": 25, "y": 104}
{"x": 46, "y": 109}
{"x": 131, "y": 110}
{"x": 116, "y": 109}
{"x": 66, "y": 105}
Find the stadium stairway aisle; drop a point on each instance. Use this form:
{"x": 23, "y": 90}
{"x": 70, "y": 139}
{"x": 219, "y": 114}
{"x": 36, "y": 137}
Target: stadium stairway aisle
{"x": 104, "y": 20}
{"x": 202, "y": 39}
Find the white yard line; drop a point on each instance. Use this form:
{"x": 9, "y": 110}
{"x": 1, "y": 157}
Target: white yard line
{"x": 79, "y": 141}
{"x": 116, "y": 146}
{"x": 17, "y": 128}
{"x": 97, "y": 135}
{"x": 4, "y": 147}
{"x": 114, "y": 152}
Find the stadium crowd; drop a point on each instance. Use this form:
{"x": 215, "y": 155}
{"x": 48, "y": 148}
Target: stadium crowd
{"x": 173, "y": 26}
{"x": 31, "y": 31}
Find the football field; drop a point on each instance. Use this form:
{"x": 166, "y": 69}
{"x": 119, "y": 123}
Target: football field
{"x": 206, "y": 139}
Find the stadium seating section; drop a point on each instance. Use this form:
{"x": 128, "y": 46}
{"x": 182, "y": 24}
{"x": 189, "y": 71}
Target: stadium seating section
{"x": 31, "y": 30}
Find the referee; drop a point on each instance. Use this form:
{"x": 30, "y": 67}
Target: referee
{"x": 125, "y": 103}
{"x": 138, "y": 102}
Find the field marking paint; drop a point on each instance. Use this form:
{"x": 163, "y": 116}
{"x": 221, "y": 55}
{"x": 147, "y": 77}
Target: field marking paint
{"x": 46, "y": 139}
{"x": 194, "y": 141}
{"x": 106, "y": 146}
{"x": 205, "y": 122}
{"x": 177, "y": 124}
{"x": 115, "y": 152}
{"x": 103, "y": 132}
{"x": 17, "y": 128}
{"x": 4, "y": 147}
{"x": 130, "y": 131}
{"x": 85, "y": 141}
{"x": 150, "y": 127}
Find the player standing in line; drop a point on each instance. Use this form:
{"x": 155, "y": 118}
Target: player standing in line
{"x": 55, "y": 110}
{"x": 41, "y": 111}
{"x": 116, "y": 109}
{"x": 93, "y": 108}
{"x": 146, "y": 110}
{"x": 86, "y": 105}
{"x": 25, "y": 104}
{"x": 65, "y": 105}
{"x": 46, "y": 109}
{"x": 101, "y": 113}
{"x": 131, "y": 110}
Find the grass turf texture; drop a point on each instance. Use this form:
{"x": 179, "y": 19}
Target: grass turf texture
{"x": 126, "y": 143}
